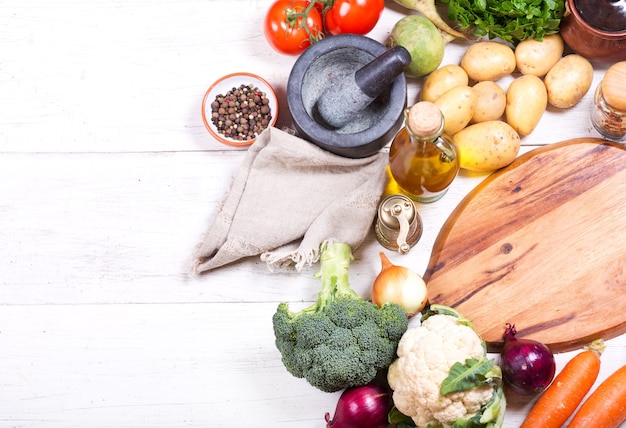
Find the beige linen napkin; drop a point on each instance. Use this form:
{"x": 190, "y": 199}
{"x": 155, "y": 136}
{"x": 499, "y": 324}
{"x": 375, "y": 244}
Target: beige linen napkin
{"x": 288, "y": 197}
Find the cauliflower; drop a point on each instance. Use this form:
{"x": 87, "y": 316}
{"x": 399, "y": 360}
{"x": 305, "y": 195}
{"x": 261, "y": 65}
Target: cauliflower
{"x": 443, "y": 378}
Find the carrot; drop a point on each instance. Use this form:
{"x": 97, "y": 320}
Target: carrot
{"x": 606, "y": 406}
{"x": 567, "y": 390}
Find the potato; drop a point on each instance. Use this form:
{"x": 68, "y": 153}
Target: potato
{"x": 457, "y": 106}
{"x": 488, "y": 61}
{"x": 537, "y": 57}
{"x": 526, "y": 101}
{"x": 568, "y": 81}
{"x": 490, "y": 101}
{"x": 442, "y": 80}
{"x": 487, "y": 146}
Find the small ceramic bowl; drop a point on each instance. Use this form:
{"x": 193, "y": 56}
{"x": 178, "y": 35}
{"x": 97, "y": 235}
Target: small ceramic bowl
{"x": 227, "y": 83}
{"x": 590, "y": 41}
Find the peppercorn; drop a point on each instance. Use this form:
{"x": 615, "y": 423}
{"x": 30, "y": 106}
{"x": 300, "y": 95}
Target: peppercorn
{"x": 242, "y": 113}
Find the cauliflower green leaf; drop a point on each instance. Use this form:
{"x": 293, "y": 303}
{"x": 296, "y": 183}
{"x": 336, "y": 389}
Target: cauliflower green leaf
{"x": 443, "y": 376}
{"x": 473, "y": 373}
{"x": 490, "y": 416}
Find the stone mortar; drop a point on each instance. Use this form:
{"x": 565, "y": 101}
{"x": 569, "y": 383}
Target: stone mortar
{"x": 321, "y": 65}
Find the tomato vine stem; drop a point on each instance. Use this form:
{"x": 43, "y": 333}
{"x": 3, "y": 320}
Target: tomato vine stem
{"x": 299, "y": 17}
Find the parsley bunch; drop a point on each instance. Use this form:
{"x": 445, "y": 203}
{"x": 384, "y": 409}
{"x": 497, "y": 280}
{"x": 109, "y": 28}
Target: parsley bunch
{"x": 509, "y": 20}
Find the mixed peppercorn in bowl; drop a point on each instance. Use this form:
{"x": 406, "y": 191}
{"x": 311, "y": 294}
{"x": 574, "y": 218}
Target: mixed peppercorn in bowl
{"x": 238, "y": 107}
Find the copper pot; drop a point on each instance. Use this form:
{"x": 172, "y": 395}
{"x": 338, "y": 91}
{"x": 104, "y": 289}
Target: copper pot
{"x": 589, "y": 41}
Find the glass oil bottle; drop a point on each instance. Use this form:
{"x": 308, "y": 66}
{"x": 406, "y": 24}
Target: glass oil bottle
{"x": 422, "y": 158}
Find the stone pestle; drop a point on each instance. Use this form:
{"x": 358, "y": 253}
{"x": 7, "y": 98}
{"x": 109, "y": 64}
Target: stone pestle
{"x": 347, "y": 97}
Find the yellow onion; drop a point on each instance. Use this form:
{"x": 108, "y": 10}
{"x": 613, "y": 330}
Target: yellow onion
{"x": 400, "y": 285}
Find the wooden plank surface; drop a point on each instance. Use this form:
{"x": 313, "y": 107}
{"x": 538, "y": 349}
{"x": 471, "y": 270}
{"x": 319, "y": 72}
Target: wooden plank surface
{"x": 107, "y": 181}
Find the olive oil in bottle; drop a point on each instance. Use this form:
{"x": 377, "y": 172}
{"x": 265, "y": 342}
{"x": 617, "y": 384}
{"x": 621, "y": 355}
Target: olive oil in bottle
{"x": 422, "y": 159}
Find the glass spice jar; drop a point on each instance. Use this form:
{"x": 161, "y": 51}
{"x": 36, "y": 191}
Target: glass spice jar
{"x": 422, "y": 158}
{"x": 398, "y": 225}
{"x": 608, "y": 115}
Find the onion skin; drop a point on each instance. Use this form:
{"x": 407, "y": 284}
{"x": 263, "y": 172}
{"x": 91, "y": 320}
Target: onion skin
{"x": 400, "y": 285}
{"x": 528, "y": 366}
{"x": 362, "y": 406}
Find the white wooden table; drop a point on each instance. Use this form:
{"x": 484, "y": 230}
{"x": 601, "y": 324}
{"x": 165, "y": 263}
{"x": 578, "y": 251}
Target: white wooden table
{"x": 108, "y": 180}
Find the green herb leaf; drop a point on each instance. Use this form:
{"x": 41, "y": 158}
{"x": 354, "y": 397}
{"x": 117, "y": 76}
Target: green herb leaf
{"x": 510, "y": 20}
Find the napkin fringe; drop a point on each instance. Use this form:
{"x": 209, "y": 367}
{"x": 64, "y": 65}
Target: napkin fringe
{"x": 297, "y": 259}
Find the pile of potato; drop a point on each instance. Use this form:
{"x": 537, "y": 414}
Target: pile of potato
{"x": 488, "y": 122}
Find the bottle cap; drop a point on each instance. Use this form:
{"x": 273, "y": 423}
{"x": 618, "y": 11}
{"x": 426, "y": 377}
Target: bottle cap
{"x": 424, "y": 119}
{"x": 614, "y": 86}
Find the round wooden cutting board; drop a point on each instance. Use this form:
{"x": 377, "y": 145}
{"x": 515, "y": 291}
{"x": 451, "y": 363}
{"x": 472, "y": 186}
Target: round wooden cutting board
{"x": 540, "y": 244}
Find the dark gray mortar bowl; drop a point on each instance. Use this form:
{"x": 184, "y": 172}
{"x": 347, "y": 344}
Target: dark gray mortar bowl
{"x": 317, "y": 68}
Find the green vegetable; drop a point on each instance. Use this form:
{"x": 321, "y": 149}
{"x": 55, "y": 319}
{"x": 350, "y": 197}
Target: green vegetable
{"x": 447, "y": 310}
{"x": 422, "y": 40}
{"x": 399, "y": 419}
{"x": 509, "y": 20}
{"x": 443, "y": 376}
{"x": 341, "y": 340}
{"x": 474, "y": 372}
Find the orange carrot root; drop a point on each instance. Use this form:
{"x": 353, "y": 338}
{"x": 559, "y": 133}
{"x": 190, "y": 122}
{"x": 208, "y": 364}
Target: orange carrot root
{"x": 567, "y": 390}
{"x": 606, "y": 406}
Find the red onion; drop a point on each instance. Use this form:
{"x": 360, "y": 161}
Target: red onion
{"x": 362, "y": 406}
{"x": 528, "y": 366}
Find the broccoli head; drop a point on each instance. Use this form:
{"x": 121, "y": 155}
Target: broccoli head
{"x": 341, "y": 340}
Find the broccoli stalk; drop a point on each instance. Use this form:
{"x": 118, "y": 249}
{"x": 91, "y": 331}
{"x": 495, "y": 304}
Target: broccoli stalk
{"x": 341, "y": 340}
{"x": 333, "y": 273}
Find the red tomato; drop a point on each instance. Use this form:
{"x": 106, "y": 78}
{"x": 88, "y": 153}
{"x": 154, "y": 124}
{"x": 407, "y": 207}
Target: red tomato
{"x": 353, "y": 16}
{"x": 291, "y": 39}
